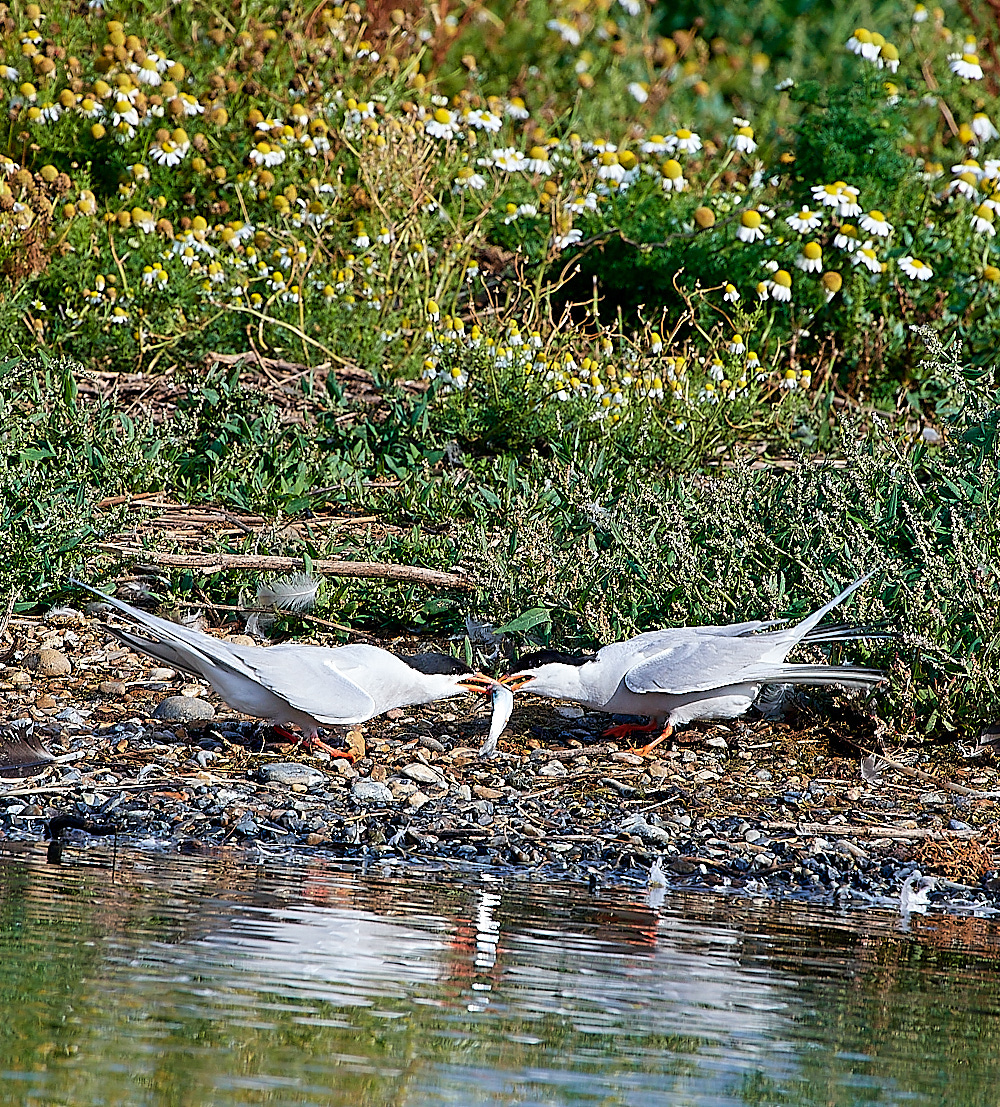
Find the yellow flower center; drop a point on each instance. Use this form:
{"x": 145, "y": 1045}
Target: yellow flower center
{"x": 751, "y": 219}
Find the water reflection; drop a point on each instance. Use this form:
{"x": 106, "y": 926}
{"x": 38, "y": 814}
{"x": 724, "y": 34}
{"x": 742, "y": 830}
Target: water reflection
{"x": 192, "y": 981}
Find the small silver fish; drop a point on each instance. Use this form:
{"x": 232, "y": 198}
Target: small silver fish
{"x": 503, "y": 707}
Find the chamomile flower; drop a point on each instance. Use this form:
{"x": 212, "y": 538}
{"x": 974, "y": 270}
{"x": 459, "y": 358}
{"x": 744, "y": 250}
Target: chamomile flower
{"x": 982, "y": 127}
{"x": 639, "y": 91}
{"x": 846, "y": 238}
{"x": 686, "y": 142}
{"x": 919, "y": 14}
{"x": 828, "y": 195}
{"x": 730, "y": 294}
{"x": 538, "y": 161}
{"x": 763, "y": 291}
{"x": 736, "y": 344}
{"x": 966, "y": 66}
{"x": 865, "y": 255}
{"x": 146, "y": 73}
{"x": 166, "y": 153}
{"x": 515, "y": 108}
{"x": 915, "y": 269}
{"x": 656, "y": 144}
{"x": 509, "y": 160}
{"x": 861, "y": 37}
{"x": 742, "y": 140}
{"x": 849, "y": 206}
{"x": 804, "y": 220}
{"x": 672, "y": 176}
{"x": 811, "y": 258}
{"x": 781, "y": 286}
{"x": 750, "y": 228}
{"x": 443, "y": 124}
{"x": 753, "y": 361}
{"x": 264, "y": 154}
{"x": 566, "y": 31}
{"x": 467, "y": 177}
{"x": 888, "y": 57}
{"x": 483, "y": 120}
{"x": 982, "y": 220}
{"x": 876, "y": 223}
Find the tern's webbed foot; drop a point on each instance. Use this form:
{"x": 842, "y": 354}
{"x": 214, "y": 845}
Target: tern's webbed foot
{"x": 629, "y": 730}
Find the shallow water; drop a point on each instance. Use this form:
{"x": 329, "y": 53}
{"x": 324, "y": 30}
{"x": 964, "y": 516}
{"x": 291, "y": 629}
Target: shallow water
{"x": 133, "y": 979}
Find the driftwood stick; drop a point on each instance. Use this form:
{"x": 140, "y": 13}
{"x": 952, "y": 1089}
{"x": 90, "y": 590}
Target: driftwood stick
{"x": 375, "y": 570}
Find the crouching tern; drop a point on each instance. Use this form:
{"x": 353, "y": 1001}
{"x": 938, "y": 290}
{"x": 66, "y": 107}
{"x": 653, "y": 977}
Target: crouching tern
{"x": 678, "y": 675}
{"x": 309, "y": 686}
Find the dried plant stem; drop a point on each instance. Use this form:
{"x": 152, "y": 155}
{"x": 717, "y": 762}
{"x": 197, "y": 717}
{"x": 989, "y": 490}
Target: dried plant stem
{"x": 375, "y": 570}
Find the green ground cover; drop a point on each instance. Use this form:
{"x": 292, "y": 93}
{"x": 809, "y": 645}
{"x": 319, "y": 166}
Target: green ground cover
{"x": 705, "y": 299}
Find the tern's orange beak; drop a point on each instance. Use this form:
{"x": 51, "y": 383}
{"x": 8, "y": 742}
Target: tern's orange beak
{"x": 479, "y": 683}
{"x": 514, "y": 681}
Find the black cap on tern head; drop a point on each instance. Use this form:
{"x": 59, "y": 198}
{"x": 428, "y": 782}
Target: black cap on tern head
{"x": 548, "y": 657}
{"x": 436, "y": 664}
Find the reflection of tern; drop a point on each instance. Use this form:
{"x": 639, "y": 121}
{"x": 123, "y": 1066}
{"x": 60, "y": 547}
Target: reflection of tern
{"x": 685, "y": 673}
{"x": 309, "y": 686}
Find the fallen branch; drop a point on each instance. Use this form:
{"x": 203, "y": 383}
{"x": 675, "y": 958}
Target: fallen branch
{"x": 372, "y": 570}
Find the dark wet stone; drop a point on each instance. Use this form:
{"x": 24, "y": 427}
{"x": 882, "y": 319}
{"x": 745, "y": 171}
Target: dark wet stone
{"x": 184, "y": 709}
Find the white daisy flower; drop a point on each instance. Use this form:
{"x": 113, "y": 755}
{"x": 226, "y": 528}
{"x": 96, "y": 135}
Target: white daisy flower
{"x": 443, "y": 124}
{"x": 166, "y": 153}
{"x": 915, "y": 269}
{"x": 876, "y": 223}
{"x": 920, "y": 14}
{"x": 865, "y": 255}
{"x": 861, "y": 37}
{"x": 469, "y": 178}
{"x": 686, "y": 142}
{"x": 482, "y": 120}
{"x": 811, "y": 258}
{"x": 750, "y": 228}
{"x": 656, "y": 144}
{"x": 147, "y": 73}
{"x": 982, "y": 127}
{"x": 828, "y": 195}
{"x": 639, "y": 91}
{"x": 805, "y": 220}
{"x": 515, "y": 108}
{"x": 966, "y": 66}
{"x": 846, "y": 238}
{"x": 849, "y": 206}
{"x": 566, "y": 31}
{"x": 510, "y": 160}
{"x": 781, "y": 286}
{"x": 743, "y": 141}
{"x": 730, "y": 294}
{"x": 538, "y": 160}
{"x": 982, "y": 220}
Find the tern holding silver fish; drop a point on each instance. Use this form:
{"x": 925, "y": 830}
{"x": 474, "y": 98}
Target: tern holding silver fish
{"x": 308, "y": 686}
{"x": 678, "y": 675}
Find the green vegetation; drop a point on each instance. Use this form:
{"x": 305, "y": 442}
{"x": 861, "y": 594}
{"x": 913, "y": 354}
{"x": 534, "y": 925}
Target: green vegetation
{"x": 662, "y": 281}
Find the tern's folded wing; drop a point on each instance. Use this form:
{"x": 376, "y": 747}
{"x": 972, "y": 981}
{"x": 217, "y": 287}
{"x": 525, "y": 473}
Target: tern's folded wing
{"x": 695, "y": 664}
{"x": 308, "y": 678}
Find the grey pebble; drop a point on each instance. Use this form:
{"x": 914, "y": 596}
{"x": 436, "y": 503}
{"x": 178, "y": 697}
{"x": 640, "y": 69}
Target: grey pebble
{"x": 184, "y": 709}
{"x": 366, "y": 790}
{"x": 763, "y": 774}
{"x": 430, "y": 743}
{"x": 422, "y": 773}
{"x": 291, "y": 772}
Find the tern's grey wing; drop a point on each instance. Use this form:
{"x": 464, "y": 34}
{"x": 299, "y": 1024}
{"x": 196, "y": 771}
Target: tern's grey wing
{"x": 310, "y": 679}
{"x": 696, "y": 664}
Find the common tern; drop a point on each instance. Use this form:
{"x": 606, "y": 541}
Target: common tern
{"x": 308, "y": 686}
{"x": 678, "y": 675}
